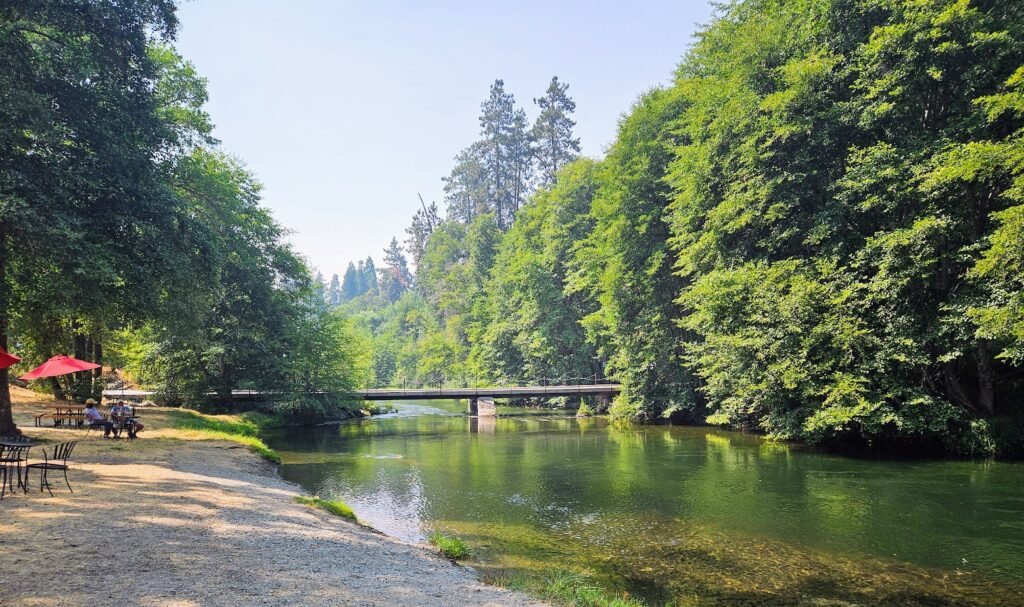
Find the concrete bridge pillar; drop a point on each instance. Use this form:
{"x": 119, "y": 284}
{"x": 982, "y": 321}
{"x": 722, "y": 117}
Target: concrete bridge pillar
{"x": 603, "y": 402}
{"x": 473, "y": 406}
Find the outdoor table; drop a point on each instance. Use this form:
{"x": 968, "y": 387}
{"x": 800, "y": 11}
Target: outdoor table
{"x": 10, "y": 443}
{"x": 68, "y": 413}
{"x": 23, "y": 483}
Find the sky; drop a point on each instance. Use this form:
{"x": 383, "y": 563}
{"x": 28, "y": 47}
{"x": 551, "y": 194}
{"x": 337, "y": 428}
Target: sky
{"x": 345, "y": 111}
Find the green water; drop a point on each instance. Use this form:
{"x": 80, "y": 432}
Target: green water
{"x": 695, "y": 515}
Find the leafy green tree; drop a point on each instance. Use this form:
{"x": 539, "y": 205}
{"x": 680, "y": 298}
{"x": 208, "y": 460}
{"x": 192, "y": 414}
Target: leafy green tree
{"x": 530, "y": 327}
{"x": 80, "y": 141}
{"x": 831, "y": 250}
{"x": 626, "y": 265}
{"x": 321, "y": 363}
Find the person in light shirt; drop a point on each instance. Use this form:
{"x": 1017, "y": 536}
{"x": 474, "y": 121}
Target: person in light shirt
{"x": 95, "y": 419}
{"x": 121, "y": 413}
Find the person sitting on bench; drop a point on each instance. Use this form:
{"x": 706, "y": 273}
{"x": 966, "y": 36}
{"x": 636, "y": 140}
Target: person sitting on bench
{"x": 95, "y": 419}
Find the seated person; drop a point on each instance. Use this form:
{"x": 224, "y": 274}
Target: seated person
{"x": 95, "y": 419}
{"x": 121, "y": 413}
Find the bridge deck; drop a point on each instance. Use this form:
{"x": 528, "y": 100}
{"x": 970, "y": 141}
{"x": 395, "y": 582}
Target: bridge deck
{"x": 510, "y": 392}
{"x": 425, "y": 393}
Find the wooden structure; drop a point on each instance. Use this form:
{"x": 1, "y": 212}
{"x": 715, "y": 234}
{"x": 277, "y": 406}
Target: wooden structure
{"x": 603, "y": 393}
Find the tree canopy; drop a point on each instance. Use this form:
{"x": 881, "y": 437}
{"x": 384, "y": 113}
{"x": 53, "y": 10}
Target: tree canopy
{"x": 815, "y": 232}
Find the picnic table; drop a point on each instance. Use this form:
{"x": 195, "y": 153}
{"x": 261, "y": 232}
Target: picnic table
{"x": 61, "y": 414}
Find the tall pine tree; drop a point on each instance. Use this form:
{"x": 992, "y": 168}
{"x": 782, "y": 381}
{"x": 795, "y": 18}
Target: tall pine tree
{"x": 506, "y": 153}
{"x": 350, "y": 284}
{"x": 552, "y": 133}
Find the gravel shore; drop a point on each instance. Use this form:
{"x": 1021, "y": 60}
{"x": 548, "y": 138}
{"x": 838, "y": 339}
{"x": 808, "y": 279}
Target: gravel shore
{"x": 166, "y": 522}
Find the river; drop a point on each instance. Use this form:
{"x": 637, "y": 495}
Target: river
{"x": 695, "y": 515}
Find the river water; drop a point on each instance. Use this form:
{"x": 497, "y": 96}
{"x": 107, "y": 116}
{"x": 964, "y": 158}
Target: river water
{"x": 694, "y": 515}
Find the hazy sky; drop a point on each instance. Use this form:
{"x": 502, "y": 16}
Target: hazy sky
{"x": 346, "y": 110}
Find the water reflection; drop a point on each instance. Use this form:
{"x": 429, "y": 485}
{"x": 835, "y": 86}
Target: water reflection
{"x": 677, "y": 512}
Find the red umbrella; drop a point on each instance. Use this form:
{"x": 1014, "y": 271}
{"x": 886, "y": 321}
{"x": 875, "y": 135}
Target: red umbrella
{"x": 59, "y": 365}
{"x": 6, "y": 360}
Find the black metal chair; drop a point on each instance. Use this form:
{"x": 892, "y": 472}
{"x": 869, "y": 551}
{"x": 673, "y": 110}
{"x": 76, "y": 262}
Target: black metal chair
{"x": 59, "y": 461}
{"x": 13, "y": 458}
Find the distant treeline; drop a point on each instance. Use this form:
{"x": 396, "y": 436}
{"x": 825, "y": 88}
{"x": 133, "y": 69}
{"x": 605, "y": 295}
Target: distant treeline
{"x": 817, "y": 231}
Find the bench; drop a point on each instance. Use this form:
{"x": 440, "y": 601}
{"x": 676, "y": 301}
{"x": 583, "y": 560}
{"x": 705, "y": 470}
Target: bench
{"x": 61, "y": 419}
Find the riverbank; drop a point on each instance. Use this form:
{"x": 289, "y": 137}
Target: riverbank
{"x": 175, "y": 520}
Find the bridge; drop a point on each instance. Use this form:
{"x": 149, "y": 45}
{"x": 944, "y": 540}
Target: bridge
{"x": 603, "y": 392}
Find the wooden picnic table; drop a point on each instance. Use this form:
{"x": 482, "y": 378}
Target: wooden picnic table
{"x": 71, "y": 414}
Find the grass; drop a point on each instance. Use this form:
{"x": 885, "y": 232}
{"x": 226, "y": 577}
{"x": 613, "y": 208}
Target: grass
{"x": 451, "y": 547}
{"x": 335, "y": 507}
{"x": 224, "y": 427}
{"x": 569, "y": 589}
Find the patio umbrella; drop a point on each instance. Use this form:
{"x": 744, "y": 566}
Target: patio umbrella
{"x": 6, "y": 360}
{"x": 59, "y": 365}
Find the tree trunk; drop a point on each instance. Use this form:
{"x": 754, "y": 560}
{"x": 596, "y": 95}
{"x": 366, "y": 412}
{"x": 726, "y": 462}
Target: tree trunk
{"x": 58, "y": 390}
{"x": 955, "y": 389}
{"x": 97, "y": 374}
{"x": 7, "y": 425}
{"x": 986, "y": 390}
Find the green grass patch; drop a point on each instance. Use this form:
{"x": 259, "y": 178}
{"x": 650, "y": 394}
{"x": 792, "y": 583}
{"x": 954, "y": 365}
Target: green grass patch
{"x": 186, "y": 419}
{"x": 573, "y": 589}
{"x": 335, "y": 507}
{"x": 568, "y": 589}
{"x": 451, "y": 547}
{"x": 236, "y": 430}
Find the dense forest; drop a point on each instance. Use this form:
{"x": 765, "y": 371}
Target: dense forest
{"x": 128, "y": 238}
{"x": 817, "y": 231}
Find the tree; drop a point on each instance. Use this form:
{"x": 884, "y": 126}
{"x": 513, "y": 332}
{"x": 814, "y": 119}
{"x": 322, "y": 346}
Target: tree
{"x": 504, "y": 153}
{"x": 334, "y": 293}
{"x": 395, "y": 278}
{"x": 79, "y": 150}
{"x": 831, "y": 249}
{"x": 626, "y": 264}
{"x": 350, "y": 284}
{"x": 531, "y": 326}
{"x": 552, "y": 132}
{"x": 370, "y": 276}
{"x": 423, "y": 223}
{"x": 466, "y": 189}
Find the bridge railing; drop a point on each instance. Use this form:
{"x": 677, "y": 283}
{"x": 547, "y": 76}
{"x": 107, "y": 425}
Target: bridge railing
{"x": 476, "y": 383}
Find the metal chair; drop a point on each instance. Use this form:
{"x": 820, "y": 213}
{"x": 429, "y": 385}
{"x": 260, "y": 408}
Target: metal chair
{"x": 13, "y": 457}
{"x": 59, "y": 461}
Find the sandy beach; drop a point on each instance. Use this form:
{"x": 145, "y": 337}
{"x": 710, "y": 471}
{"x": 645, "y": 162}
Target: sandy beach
{"x": 173, "y": 520}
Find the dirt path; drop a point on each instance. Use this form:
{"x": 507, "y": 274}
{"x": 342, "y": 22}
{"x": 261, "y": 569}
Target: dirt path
{"x": 166, "y": 521}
